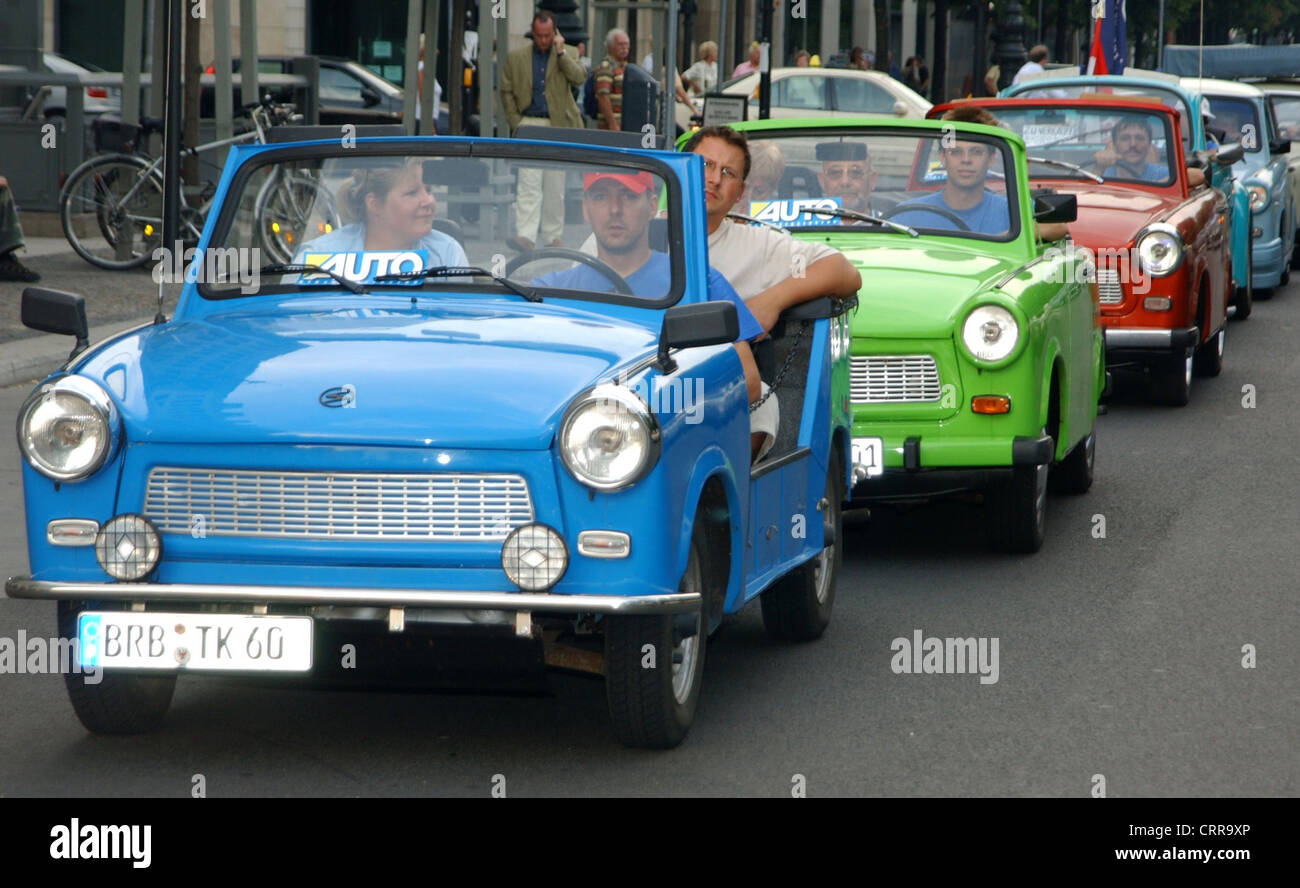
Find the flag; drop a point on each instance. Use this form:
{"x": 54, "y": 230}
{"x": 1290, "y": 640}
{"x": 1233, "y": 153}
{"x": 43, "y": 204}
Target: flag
{"x": 1109, "y": 40}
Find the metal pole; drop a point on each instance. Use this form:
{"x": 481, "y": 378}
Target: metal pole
{"x": 428, "y": 113}
{"x": 248, "y": 88}
{"x": 221, "y": 69}
{"x": 670, "y": 79}
{"x": 172, "y": 137}
{"x": 503, "y": 47}
{"x": 765, "y": 59}
{"x": 723, "y": 70}
{"x": 132, "y": 28}
{"x": 487, "y": 77}
{"x": 1160, "y": 37}
{"x": 412, "y": 65}
{"x": 455, "y": 70}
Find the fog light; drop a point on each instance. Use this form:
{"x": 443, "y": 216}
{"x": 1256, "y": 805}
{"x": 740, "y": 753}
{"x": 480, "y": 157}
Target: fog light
{"x": 534, "y": 557}
{"x": 1158, "y": 303}
{"x": 990, "y": 404}
{"x": 128, "y": 547}
{"x": 604, "y": 544}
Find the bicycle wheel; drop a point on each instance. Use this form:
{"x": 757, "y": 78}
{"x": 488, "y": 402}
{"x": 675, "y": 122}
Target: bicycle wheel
{"x": 293, "y": 208}
{"x": 124, "y": 199}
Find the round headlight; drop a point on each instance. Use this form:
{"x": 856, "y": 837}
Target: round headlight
{"x": 128, "y": 547}
{"x": 1160, "y": 250}
{"x": 67, "y": 429}
{"x": 1258, "y": 197}
{"x": 990, "y": 333}
{"x": 608, "y": 438}
{"x": 534, "y": 557}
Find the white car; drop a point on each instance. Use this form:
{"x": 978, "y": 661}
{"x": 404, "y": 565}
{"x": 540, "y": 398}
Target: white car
{"x": 98, "y": 99}
{"x": 832, "y": 92}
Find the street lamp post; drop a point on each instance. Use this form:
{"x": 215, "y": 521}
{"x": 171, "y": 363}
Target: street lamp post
{"x": 1010, "y": 51}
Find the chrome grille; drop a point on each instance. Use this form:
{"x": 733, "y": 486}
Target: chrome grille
{"x": 882, "y": 379}
{"x": 336, "y": 505}
{"x": 1108, "y": 289}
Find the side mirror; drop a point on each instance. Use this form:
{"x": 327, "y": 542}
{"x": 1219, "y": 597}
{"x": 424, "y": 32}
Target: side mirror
{"x": 900, "y": 109}
{"x": 1279, "y": 146}
{"x": 1049, "y": 206}
{"x": 53, "y": 311}
{"x": 369, "y": 97}
{"x": 1229, "y": 154}
{"x": 691, "y": 326}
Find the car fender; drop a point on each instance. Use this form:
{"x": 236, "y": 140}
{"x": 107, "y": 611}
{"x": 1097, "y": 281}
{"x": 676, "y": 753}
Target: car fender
{"x": 713, "y": 463}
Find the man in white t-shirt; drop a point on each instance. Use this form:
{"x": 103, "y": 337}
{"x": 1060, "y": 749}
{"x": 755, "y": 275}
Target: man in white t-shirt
{"x": 768, "y": 268}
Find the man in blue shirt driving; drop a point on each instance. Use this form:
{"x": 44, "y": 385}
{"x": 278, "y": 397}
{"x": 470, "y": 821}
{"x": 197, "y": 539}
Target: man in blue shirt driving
{"x": 966, "y": 166}
{"x": 1131, "y": 138}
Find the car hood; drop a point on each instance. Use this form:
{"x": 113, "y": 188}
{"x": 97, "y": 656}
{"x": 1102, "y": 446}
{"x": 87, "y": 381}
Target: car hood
{"x": 917, "y": 290}
{"x": 469, "y": 376}
{"x": 1110, "y": 216}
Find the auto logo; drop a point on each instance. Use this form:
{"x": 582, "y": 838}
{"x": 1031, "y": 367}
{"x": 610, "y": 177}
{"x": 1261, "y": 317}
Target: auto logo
{"x": 339, "y": 396}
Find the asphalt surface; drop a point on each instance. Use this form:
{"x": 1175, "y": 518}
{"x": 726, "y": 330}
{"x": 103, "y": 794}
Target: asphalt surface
{"x": 1119, "y": 657}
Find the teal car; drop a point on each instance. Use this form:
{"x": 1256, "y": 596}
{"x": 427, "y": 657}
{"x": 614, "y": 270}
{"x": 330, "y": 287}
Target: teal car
{"x": 1169, "y": 90}
{"x": 976, "y": 357}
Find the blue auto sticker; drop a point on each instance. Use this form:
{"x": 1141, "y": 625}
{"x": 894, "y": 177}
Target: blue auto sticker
{"x": 364, "y": 267}
{"x": 935, "y": 172}
{"x": 795, "y": 211}
{"x": 88, "y": 636}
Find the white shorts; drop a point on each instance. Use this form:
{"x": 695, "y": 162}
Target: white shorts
{"x": 763, "y": 421}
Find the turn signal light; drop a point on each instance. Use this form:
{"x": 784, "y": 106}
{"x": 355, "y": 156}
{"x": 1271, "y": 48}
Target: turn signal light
{"x": 990, "y": 404}
{"x": 1157, "y": 303}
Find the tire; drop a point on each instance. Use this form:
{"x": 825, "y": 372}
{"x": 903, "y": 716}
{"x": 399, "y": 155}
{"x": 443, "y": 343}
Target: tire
{"x": 1073, "y": 475}
{"x": 126, "y": 200}
{"x": 1018, "y": 519}
{"x": 1171, "y": 382}
{"x": 1244, "y": 297}
{"x": 288, "y": 207}
{"x": 121, "y": 703}
{"x": 653, "y": 707}
{"x": 798, "y": 606}
{"x": 1208, "y": 360}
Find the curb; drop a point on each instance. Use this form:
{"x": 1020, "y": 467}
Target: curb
{"x": 31, "y": 359}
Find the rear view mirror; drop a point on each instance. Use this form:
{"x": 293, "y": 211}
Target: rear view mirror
{"x": 1229, "y": 154}
{"x": 53, "y": 311}
{"x": 691, "y": 326}
{"x": 1279, "y": 146}
{"x": 1049, "y": 206}
{"x": 370, "y": 97}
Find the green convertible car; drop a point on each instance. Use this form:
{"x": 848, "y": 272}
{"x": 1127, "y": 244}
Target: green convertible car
{"x": 977, "y": 358}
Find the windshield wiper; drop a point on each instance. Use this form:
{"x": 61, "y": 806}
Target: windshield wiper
{"x": 291, "y": 268}
{"x": 741, "y": 217}
{"x": 863, "y": 217}
{"x": 461, "y": 271}
{"x": 1067, "y": 165}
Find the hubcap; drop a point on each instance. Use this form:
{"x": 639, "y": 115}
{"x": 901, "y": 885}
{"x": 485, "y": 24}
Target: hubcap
{"x": 1040, "y": 495}
{"x": 1187, "y": 370}
{"x": 687, "y": 650}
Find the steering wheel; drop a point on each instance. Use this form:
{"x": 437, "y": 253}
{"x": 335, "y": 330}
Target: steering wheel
{"x": 620, "y": 285}
{"x": 928, "y": 208}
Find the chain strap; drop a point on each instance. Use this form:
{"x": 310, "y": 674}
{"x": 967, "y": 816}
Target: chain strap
{"x": 780, "y": 374}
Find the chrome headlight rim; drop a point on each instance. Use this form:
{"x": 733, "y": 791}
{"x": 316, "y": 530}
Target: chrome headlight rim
{"x": 625, "y": 399}
{"x": 1017, "y": 325}
{"x": 1260, "y": 191}
{"x": 1166, "y": 230}
{"x": 96, "y": 400}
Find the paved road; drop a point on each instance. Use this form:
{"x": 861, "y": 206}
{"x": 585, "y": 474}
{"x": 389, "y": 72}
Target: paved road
{"x": 1119, "y": 656}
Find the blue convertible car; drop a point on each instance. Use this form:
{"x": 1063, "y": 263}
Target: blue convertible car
{"x": 410, "y": 432}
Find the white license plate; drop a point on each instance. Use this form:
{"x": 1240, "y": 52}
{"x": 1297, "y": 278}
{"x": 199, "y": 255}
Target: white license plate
{"x": 870, "y": 454}
{"x": 149, "y": 640}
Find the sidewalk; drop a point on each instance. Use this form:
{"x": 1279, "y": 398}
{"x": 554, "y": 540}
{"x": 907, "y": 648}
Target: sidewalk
{"x": 115, "y": 301}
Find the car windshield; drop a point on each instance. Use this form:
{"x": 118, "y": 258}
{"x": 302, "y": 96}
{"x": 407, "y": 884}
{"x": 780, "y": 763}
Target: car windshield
{"x": 1237, "y": 119}
{"x": 924, "y": 180}
{"x": 1126, "y": 145}
{"x": 1166, "y": 97}
{"x": 1286, "y": 108}
{"x": 598, "y": 230}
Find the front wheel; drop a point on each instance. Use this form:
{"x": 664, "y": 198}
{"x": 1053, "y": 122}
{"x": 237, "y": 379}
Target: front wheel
{"x": 1172, "y": 382}
{"x": 1018, "y": 519}
{"x": 798, "y": 606}
{"x": 1244, "y": 296}
{"x": 1209, "y": 357}
{"x": 654, "y": 665}
{"x": 1073, "y": 475}
{"x": 118, "y": 703}
{"x": 122, "y": 196}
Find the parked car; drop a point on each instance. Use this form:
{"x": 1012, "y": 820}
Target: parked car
{"x": 976, "y": 358}
{"x": 1284, "y": 103}
{"x": 1242, "y": 112}
{"x": 98, "y": 99}
{"x": 831, "y": 92}
{"x": 538, "y": 452}
{"x": 349, "y": 92}
{"x": 1168, "y": 90}
{"x": 1162, "y": 265}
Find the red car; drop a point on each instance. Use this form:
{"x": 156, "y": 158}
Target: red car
{"x": 1160, "y": 243}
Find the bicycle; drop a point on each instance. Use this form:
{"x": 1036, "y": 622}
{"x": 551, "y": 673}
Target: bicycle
{"x": 123, "y": 190}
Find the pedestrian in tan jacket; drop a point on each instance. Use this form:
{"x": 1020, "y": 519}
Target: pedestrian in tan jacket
{"x": 545, "y": 100}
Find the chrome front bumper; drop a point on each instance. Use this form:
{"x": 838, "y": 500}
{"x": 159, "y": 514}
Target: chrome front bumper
{"x": 26, "y": 587}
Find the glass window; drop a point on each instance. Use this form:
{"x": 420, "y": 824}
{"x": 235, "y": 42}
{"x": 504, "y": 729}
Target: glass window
{"x": 1121, "y": 145}
{"x": 1237, "y": 119}
{"x": 859, "y": 95}
{"x": 339, "y": 86}
{"x": 806, "y": 92}
{"x": 1287, "y": 111}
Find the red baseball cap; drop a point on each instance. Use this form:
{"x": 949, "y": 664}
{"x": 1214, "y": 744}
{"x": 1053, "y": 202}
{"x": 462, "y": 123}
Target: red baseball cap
{"x": 634, "y": 182}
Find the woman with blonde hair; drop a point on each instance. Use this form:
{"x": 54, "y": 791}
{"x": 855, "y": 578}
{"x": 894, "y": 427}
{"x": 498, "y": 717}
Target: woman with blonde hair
{"x": 389, "y": 208}
{"x": 702, "y": 77}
